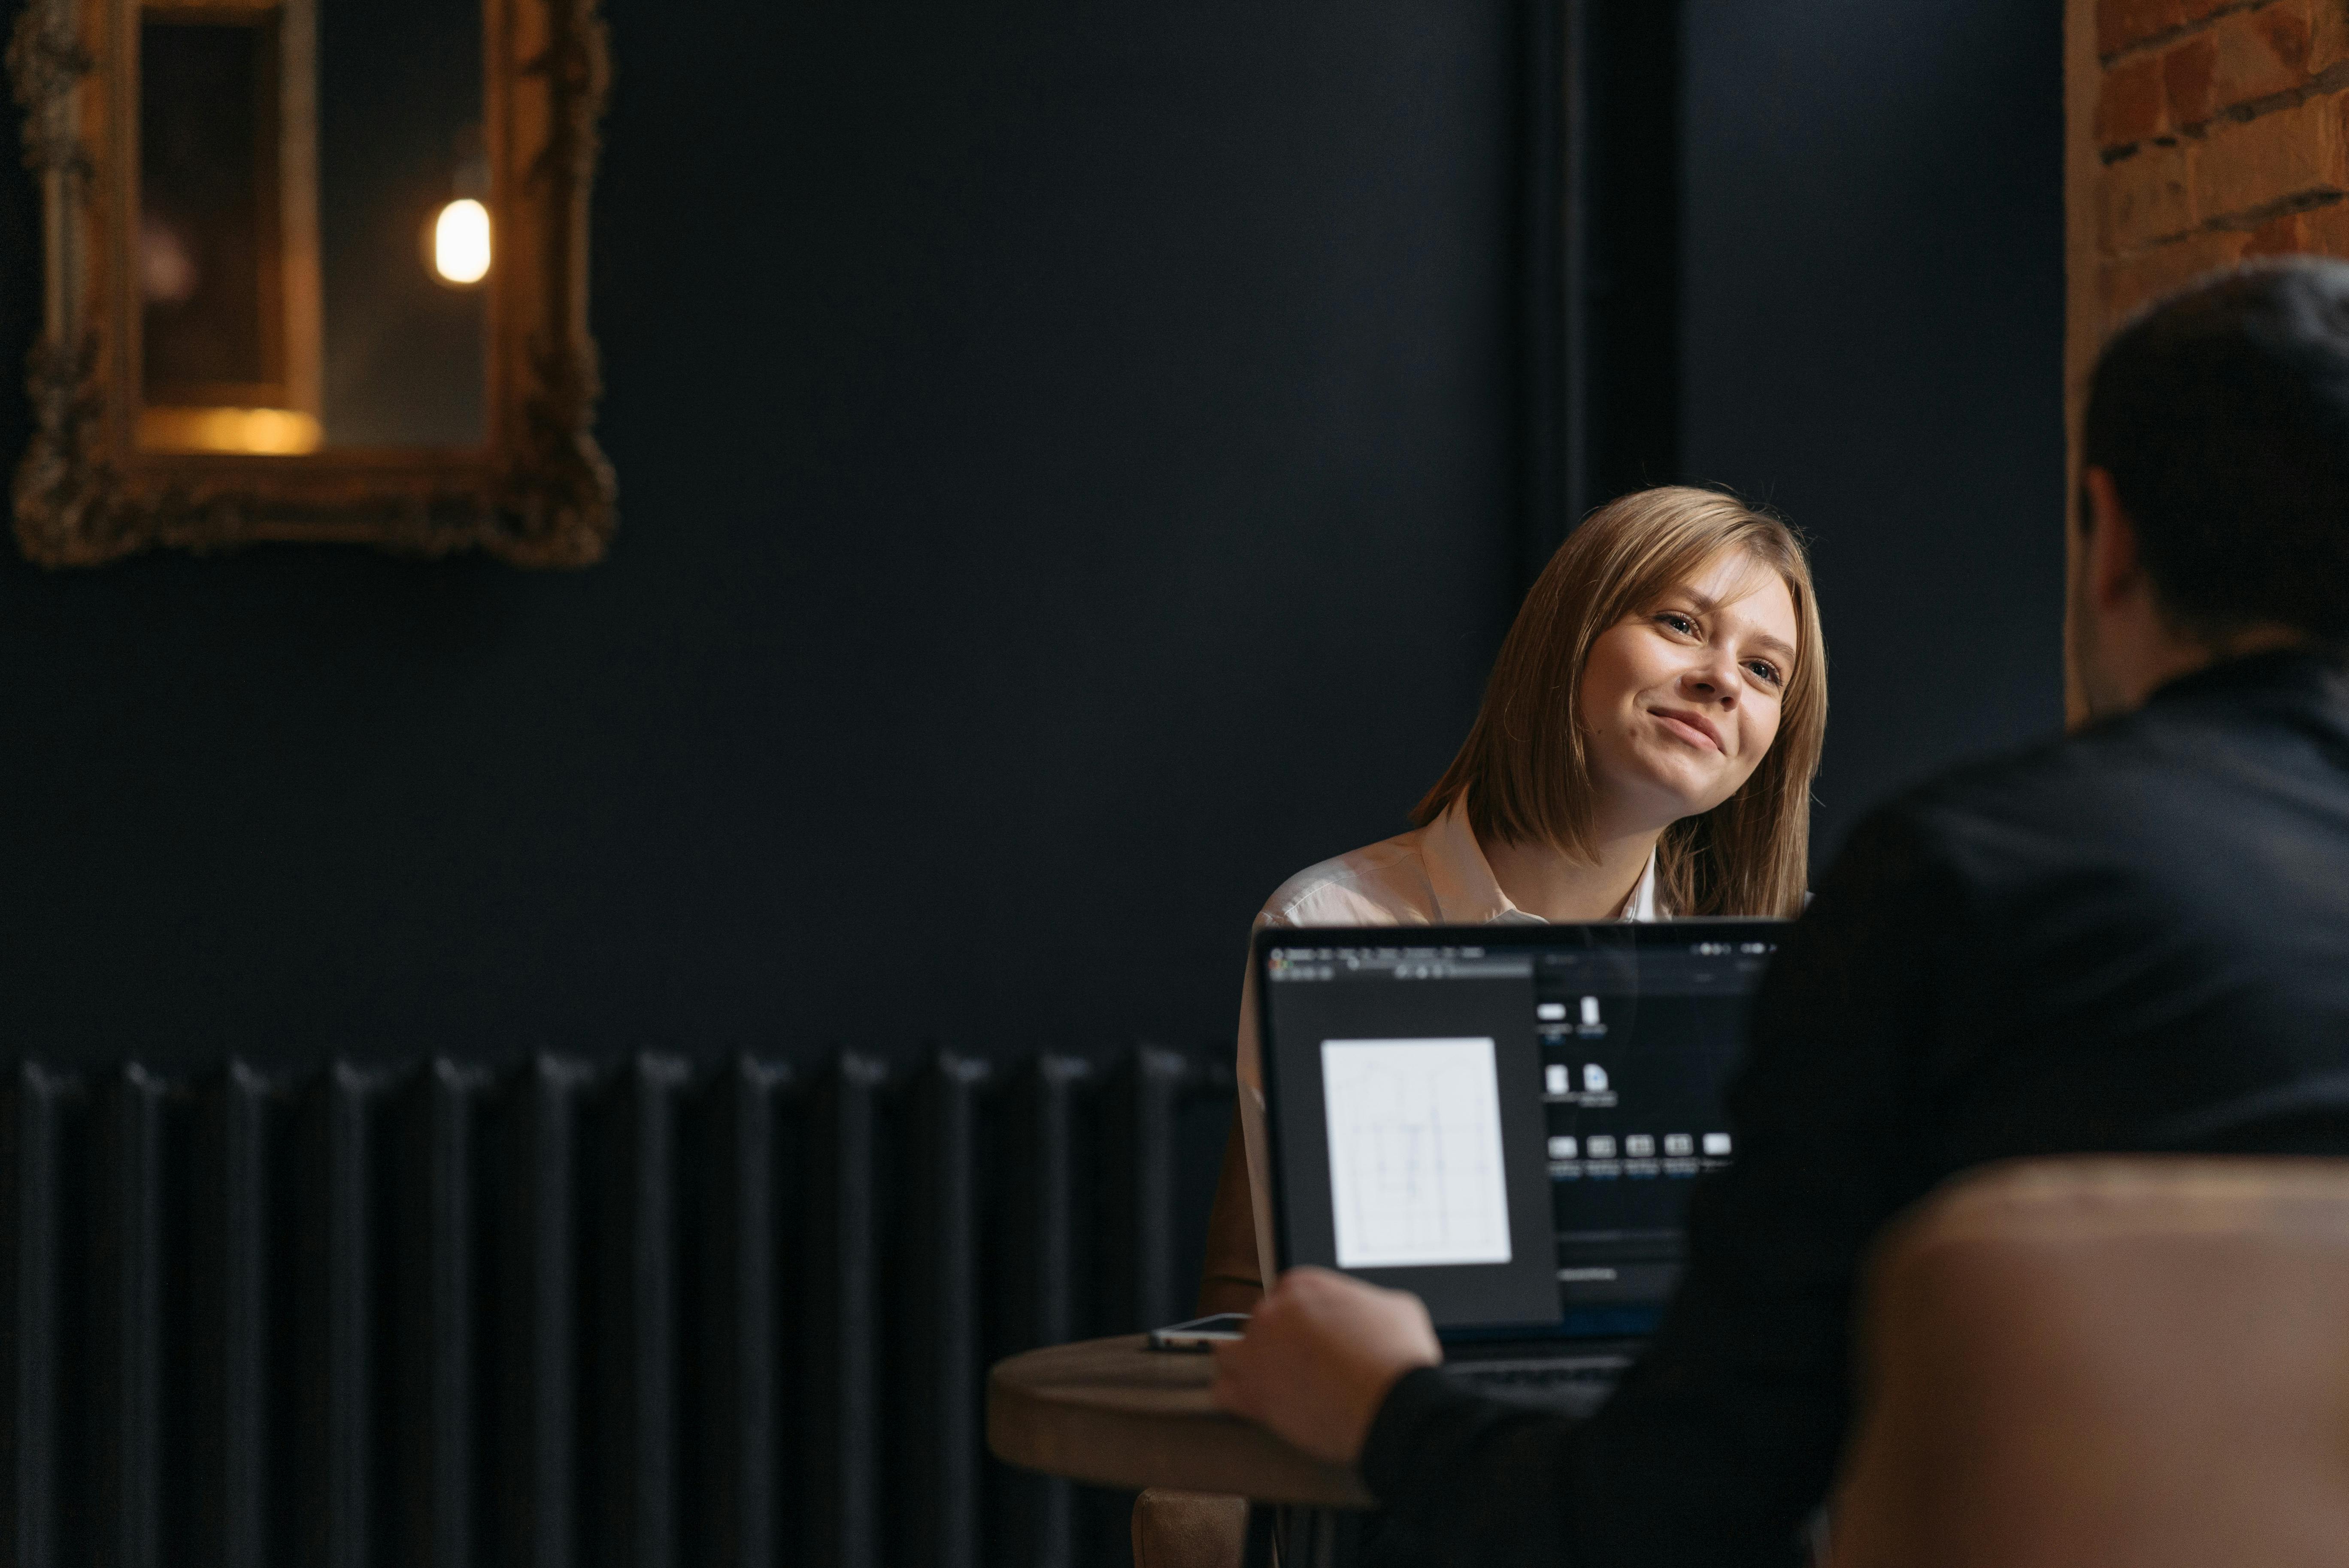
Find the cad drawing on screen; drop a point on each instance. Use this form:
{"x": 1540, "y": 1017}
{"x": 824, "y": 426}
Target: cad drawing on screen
{"x": 1415, "y": 1169}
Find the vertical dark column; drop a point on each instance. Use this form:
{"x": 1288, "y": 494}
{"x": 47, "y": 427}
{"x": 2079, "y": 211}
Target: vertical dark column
{"x": 1622, "y": 263}
{"x": 841, "y": 1424}
{"x": 1203, "y": 1126}
{"x": 1034, "y": 1282}
{"x": 937, "y": 1418}
{"x": 41, "y": 1114}
{"x": 351, "y": 1276}
{"x": 1143, "y": 1280}
{"x": 131, "y": 1267}
{"x": 335, "y": 1316}
{"x": 237, "y": 1124}
{"x": 1574, "y": 479}
{"x": 638, "y": 1288}
{"x": 539, "y": 1395}
{"x": 438, "y": 1336}
{"x": 1547, "y": 447}
{"x": 737, "y": 1441}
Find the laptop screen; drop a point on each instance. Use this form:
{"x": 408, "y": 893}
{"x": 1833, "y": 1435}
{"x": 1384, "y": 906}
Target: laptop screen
{"x": 1507, "y": 1120}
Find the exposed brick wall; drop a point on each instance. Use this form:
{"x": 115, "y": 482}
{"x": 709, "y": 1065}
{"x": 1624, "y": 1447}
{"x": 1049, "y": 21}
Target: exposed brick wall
{"x": 2201, "y": 132}
{"x": 2220, "y": 132}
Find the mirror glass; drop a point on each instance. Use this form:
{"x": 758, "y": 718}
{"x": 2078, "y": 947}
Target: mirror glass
{"x": 315, "y": 247}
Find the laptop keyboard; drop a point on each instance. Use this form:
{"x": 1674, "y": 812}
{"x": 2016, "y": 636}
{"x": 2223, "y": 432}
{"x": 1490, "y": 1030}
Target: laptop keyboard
{"x": 1573, "y": 1385}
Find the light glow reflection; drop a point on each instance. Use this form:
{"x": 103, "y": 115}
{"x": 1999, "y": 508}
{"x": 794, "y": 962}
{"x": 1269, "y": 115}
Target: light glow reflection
{"x": 460, "y": 242}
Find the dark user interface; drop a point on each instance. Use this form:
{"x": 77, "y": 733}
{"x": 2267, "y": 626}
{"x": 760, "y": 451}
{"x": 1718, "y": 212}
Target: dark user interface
{"x": 1637, "y": 1047}
{"x": 1636, "y": 1038}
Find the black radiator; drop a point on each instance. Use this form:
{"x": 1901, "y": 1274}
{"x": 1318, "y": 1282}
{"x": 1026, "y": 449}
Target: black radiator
{"x": 560, "y": 1311}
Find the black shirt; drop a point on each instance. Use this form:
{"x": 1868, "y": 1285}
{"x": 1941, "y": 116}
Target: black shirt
{"x": 2133, "y": 939}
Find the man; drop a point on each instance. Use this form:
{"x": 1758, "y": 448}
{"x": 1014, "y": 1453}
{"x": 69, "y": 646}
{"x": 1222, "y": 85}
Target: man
{"x": 2133, "y": 939}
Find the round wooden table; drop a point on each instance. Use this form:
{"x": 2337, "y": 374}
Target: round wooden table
{"x": 1115, "y": 1413}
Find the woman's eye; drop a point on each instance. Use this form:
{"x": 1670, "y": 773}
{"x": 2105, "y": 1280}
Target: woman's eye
{"x": 1766, "y": 670}
{"x": 1676, "y": 622}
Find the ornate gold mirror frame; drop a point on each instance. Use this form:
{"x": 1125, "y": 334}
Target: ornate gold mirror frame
{"x": 537, "y": 492}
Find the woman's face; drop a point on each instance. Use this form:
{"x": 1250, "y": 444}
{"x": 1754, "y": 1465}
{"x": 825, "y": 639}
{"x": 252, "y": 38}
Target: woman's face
{"x": 1681, "y": 698}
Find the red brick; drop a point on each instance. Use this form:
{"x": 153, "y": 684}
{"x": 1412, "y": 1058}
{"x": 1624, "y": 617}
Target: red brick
{"x": 2329, "y": 37}
{"x": 2148, "y": 198}
{"x": 2120, "y": 22}
{"x": 2186, "y": 73}
{"x": 2319, "y": 230}
{"x": 2284, "y": 236}
{"x": 2130, "y": 104}
{"x": 2285, "y": 30}
{"x": 2289, "y": 155}
{"x": 2257, "y": 54}
{"x": 2325, "y": 231}
{"x": 2128, "y": 285}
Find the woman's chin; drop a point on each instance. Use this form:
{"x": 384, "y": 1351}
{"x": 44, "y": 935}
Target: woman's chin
{"x": 1672, "y": 789}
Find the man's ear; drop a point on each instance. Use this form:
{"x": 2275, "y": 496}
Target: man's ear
{"x": 2110, "y": 559}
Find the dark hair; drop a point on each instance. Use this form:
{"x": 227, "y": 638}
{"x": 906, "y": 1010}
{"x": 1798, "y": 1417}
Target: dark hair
{"x": 2222, "y": 414}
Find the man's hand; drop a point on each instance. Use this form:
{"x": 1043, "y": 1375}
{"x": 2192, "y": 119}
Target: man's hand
{"x": 1321, "y": 1354}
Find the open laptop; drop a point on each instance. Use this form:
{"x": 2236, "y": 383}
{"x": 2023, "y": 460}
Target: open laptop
{"x": 1506, "y": 1121}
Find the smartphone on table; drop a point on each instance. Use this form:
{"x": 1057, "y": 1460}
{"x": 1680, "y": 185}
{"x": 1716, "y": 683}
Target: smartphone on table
{"x": 1200, "y": 1333}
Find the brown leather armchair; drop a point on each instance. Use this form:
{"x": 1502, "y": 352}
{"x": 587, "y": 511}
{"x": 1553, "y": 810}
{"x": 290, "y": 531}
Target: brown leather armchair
{"x": 2107, "y": 1363}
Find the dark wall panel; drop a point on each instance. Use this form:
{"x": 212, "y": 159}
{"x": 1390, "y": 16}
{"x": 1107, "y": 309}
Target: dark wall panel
{"x": 1874, "y": 288}
{"x": 1067, "y": 460}
{"x": 1071, "y": 465}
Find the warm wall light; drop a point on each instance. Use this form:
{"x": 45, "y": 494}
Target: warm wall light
{"x": 265, "y": 432}
{"x": 460, "y": 242}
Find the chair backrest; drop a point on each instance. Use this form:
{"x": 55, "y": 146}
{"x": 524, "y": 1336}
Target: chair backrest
{"x": 2106, "y": 1363}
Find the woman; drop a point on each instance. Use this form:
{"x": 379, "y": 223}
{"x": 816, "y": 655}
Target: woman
{"x": 1645, "y": 749}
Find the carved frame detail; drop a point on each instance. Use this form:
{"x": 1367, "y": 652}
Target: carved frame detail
{"x": 538, "y": 493}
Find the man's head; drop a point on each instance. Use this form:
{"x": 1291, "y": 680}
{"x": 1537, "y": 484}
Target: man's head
{"x": 2214, "y": 506}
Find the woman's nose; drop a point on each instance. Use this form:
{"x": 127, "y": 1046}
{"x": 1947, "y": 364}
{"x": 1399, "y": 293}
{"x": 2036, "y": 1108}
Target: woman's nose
{"x": 1714, "y": 680}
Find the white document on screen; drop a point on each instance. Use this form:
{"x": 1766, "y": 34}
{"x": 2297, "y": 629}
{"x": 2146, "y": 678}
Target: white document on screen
{"x": 1415, "y": 1173}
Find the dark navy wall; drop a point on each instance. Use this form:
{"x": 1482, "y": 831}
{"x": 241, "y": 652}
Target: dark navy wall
{"x": 1067, "y": 465}
{"x": 1873, "y": 339}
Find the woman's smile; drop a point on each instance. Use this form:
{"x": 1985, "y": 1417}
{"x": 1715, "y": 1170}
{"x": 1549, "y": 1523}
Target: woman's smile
{"x": 1692, "y": 727}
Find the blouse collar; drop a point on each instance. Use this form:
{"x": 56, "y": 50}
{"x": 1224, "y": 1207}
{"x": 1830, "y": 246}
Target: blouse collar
{"x": 1467, "y": 893}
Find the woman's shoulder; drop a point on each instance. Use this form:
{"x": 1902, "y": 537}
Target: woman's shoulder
{"x": 1384, "y": 883}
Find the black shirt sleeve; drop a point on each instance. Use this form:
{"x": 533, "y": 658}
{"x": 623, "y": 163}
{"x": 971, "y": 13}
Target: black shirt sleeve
{"x": 1436, "y": 1449}
{"x": 1722, "y": 1439}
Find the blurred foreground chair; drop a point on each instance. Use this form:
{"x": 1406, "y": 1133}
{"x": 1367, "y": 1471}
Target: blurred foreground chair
{"x": 2107, "y": 1363}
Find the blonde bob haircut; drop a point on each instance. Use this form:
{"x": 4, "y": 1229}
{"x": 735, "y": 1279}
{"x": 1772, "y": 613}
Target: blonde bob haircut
{"x": 1523, "y": 768}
